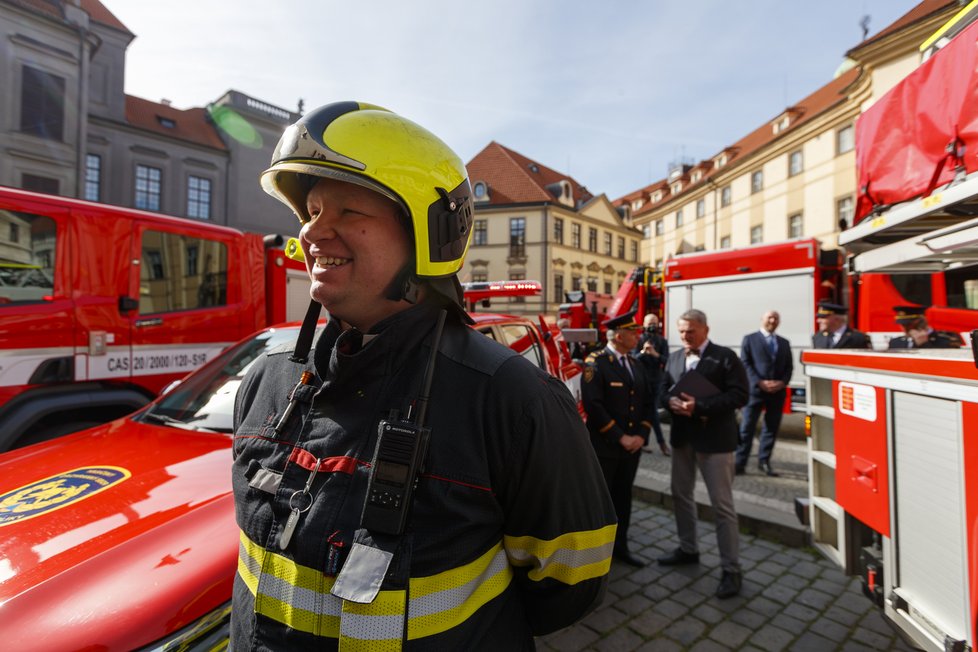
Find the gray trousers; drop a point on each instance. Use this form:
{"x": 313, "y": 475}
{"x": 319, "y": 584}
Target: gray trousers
{"x": 718, "y": 474}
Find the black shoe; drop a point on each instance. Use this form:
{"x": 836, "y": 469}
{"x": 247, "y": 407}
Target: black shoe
{"x": 765, "y": 468}
{"x": 739, "y": 470}
{"x": 627, "y": 557}
{"x": 679, "y": 557}
{"x": 729, "y": 584}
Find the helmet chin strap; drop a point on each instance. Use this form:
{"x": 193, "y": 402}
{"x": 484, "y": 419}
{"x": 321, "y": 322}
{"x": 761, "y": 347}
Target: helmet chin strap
{"x": 404, "y": 287}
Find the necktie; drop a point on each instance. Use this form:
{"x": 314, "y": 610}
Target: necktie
{"x": 624, "y": 362}
{"x": 772, "y": 345}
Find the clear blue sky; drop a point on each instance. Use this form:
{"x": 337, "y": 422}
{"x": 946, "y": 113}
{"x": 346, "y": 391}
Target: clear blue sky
{"x": 609, "y": 92}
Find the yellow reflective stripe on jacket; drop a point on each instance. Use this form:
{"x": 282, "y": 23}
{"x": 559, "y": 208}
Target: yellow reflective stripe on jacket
{"x": 299, "y": 597}
{"x": 570, "y": 558}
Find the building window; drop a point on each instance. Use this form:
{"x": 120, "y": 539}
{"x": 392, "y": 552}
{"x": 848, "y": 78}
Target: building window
{"x": 148, "y": 187}
{"x": 480, "y": 277}
{"x": 42, "y": 104}
{"x": 725, "y": 196}
{"x": 558, "y": 230}
{"x": 93, "y": 177}
{"x": 558, "y": 287}
{"x": 592, "y": 283}
{"x": 575, "y": 282}
{"x": 634, "y": 251}
{"x": 517, "y": 237}
{"x": 199, "y": 197}
{"x": 479, "y": 233}
{"x": 480, "y": 191}
{"x": 795, "y": 226}
{"x": 646, "y": 230}
{"x": 756, "y": 234}
{"x": 700, "y": 208}
{"x": 795, "y": 163}
{"x": 844, "y": 211}
{"x": 621, "y": 247}
{"x": 844, "y": 140}
{"x": 575, "y": 235}
{"x": 592, "y": 239}
{"x": 607, "y": 287}
{"x": 36, "y": 183}
{"x": 725, "y": 242}
{"x": 14, "y": 234}
{"x": 756, "y": 181}
{"x": 679, "y": 218}
{"x": 659, "y": 227}
{"x": 607, "y": 244}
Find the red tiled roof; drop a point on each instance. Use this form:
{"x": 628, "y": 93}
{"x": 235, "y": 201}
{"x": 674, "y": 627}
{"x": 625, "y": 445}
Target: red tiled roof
{"x": 189, "y": 125}
{"x": 814, "y": 105}
{"x": 513, "y": 178}
{"x": 101, "y": 14}
{"x": 922, "y": 10}
{"x": 95, "y": 9}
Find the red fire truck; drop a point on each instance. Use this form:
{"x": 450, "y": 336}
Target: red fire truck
{"x": 101, "y": 306}
{"x": 540, "y": 342}
{"x": 893, "y": 464}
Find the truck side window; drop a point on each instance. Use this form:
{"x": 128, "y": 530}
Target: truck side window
{"x": 519, "y": 338}
{"x": 180, "y": 272}
{"x": 962, "y": 287}
{"x": 27, "y": 247}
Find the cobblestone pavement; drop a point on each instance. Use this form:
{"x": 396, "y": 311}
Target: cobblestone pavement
{"x": 792, "y": 599}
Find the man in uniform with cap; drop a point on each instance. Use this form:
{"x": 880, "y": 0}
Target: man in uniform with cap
{"x": 833, "y": 329}
{"x": 619, "y": 419}
{"x": 918, "y": 333}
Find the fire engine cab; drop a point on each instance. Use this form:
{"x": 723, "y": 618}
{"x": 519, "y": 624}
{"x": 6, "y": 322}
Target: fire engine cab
{"x": 101, "y": 306}
{"x": 893, "y": 446}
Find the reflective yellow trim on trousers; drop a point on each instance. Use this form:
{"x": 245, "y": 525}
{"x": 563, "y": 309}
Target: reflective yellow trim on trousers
{"x": 298, "y": 597}
{"x": 570, "y": 558}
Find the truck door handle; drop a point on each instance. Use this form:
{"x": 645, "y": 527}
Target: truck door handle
{"x": 127, "y": 304}
{"x": 864, "y": 473}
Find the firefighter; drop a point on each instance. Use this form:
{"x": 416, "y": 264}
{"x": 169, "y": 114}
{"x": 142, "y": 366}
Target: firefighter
{"x": 833, "y": 329}
{"x": 918, "y": 333}
{"x": 504, "y": 529}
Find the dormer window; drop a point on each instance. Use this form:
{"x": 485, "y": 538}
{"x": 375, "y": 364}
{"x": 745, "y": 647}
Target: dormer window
{"x": 657, "y": 195}
{"x": 637, "y": 204}
{"x": 697, "y": 175}
{"x": 780, "y": 124}
{"x": 480, "y": 191}
{"x": 676, "y": 188}
{"x": 721, "y": 160}
{"x": 168, "y": 123}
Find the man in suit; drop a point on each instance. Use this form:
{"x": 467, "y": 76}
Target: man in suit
{"x": 767, "y": 359}
{"x": 652, "y": 351}
{"x": 833, "y": 329}
{"x": 619, "y": 408}
{"x": 704, "y": 434}
{"x": 918, "y": 333}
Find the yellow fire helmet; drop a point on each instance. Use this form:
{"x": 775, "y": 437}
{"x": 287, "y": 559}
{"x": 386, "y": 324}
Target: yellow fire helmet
{"x": 375, "y": 148}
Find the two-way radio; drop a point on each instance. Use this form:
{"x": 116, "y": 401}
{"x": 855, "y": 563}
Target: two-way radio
{"x": 399, "y": 459}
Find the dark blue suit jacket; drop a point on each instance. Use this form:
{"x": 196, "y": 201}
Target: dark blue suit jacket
{"x": 759, "y": 363}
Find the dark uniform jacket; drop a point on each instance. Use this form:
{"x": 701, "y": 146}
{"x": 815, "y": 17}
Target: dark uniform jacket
{"x": 936, "y": 340}
{"x": 616, "y": 403}
{"x": 851, "y": 339}
{"x": 511, "y": 528}
{"x": 713, "y": 426}
{"x": 760, "y": 365}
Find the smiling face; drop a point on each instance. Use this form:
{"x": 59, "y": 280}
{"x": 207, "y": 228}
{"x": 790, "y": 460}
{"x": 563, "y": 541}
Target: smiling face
{"x": 354, "y": 246}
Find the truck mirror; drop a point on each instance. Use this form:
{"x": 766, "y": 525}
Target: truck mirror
{"x": 974, "y": 346}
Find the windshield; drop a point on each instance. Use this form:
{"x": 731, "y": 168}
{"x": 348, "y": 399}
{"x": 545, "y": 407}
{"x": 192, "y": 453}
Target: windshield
{"x": 205, "y": 399}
